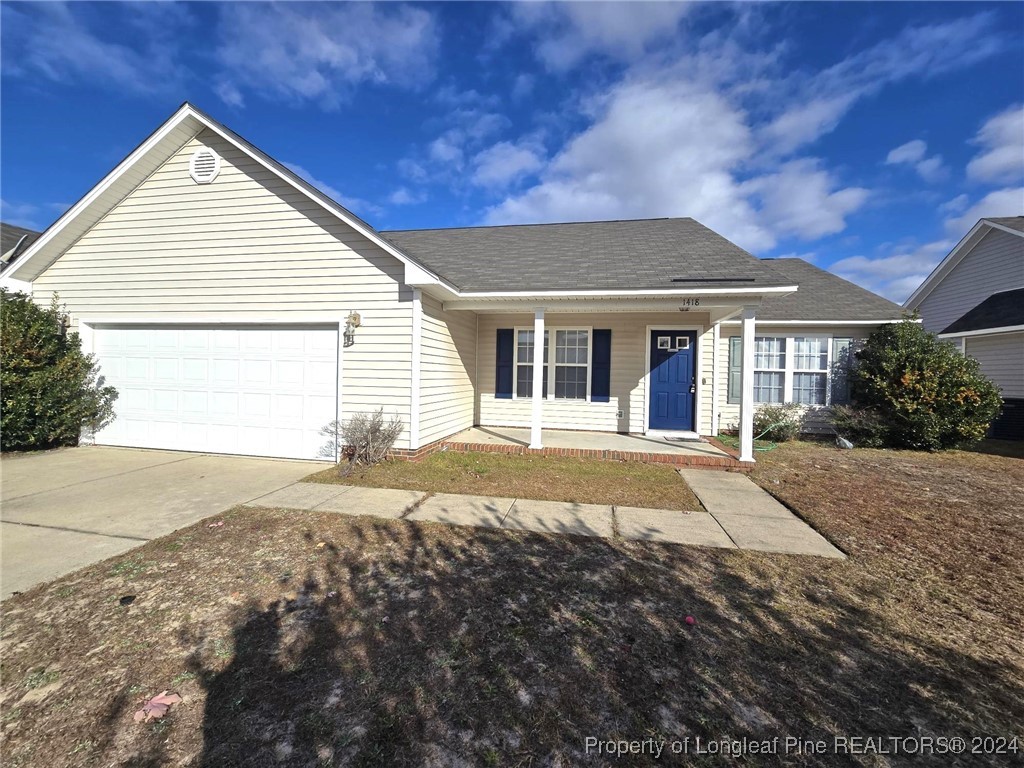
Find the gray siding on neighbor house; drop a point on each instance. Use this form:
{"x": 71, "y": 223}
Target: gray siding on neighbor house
{"x": 1001, "y": 356}
{"x": 246, "y": 246}
{"x": 995, "y": 264}
{"x": 447, "y": 371}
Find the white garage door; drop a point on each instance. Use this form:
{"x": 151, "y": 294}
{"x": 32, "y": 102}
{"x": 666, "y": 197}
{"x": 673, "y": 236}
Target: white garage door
{"x": 253, "y": 390}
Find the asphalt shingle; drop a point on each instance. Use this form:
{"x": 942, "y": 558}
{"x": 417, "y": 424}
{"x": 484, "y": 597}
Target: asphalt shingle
{"x": 823, "y": 296}
{"x": 1000, "y": 310}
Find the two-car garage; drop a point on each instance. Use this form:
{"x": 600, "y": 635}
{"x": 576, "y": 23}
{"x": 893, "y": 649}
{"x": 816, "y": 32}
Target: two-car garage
{"x": 253, "y": 389}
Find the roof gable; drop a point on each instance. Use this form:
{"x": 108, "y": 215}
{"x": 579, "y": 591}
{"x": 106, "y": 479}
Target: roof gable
{"x": 186, "y": 123}
{"x": 1012, "y": 224}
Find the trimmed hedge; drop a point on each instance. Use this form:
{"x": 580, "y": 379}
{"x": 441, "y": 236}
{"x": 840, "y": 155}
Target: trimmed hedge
{"x": 49, "y": 390}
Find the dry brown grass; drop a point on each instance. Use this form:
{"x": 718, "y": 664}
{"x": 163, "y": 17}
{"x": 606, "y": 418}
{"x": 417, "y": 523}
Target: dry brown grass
{"x": 302, "y": 638}
{"x": 551, "y": 478}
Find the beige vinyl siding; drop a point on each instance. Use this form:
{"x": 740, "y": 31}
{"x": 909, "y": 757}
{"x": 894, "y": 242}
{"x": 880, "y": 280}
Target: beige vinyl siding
{"x": 447, "y": 371}
{"x": 1002, "y": 359}
{"x": 246, "y": 246}
{"x": 995, "y": 264}
{"x": 628, "y": 371}
{"x": 816, "y": 419}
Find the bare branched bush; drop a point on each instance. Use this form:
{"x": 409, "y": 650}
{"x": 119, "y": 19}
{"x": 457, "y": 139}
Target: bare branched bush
{"x": 364, "y": 438}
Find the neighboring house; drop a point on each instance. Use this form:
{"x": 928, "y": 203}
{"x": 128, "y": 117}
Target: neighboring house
{"x": 975, "y": 298}
{"x": 238, "y": 309}
{"x": 13, "y": 242}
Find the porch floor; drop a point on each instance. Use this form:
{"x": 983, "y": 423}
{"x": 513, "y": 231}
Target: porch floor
{"x": 607, "y": 445}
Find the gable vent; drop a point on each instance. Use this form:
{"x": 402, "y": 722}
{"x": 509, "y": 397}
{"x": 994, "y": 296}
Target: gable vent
{"x": 204, "y": 165}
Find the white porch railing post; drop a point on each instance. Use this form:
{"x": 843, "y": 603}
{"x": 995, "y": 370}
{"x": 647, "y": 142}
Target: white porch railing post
{"x": 538, "y": 379}
{"x": 747, "y": 329}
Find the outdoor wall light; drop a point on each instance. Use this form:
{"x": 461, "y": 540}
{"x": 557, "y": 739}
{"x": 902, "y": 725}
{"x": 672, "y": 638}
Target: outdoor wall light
{"x": 352, "y": 322}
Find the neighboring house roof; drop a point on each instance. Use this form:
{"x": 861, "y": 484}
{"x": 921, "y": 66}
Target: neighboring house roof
{"x": 13, "y": 242}
{"x": 1012, "y": 224}
{"x": 823, "y": 296}
{"x": 1000, "y": 310}
{"x": 660, "y": 254}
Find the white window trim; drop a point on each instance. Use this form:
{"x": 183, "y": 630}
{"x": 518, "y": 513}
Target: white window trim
{"x": 790, "y": 369}
{"x": 552, "y": 330}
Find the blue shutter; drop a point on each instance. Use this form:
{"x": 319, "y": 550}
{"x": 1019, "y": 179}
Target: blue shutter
{"x": 601, "y": 367}
{"x": 504, "y": 369}
{"x": 734, "y": 394}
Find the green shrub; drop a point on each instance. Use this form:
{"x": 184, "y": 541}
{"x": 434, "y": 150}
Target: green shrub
{"x": 778, "y": 423}
{"x": 925, "y": 393}
{"x": 49, "y": 390}
{"x": 863, "y": 427}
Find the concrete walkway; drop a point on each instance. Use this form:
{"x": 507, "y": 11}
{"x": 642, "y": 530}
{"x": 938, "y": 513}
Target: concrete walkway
{"x": 750, "y": 522}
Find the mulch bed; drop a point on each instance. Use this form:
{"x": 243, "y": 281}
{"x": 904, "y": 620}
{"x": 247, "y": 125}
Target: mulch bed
{"x": 319, "y": 639}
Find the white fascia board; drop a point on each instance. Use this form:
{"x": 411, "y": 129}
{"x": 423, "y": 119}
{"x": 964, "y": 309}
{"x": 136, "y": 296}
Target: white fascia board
{"x": 611, "y": 294}
{"x": 953, "y": 258}
{"x": 819, "y": 322}
{"x": 983, "y": 332}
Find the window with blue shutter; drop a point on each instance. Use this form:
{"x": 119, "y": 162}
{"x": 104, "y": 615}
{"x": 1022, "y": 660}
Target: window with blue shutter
{"x": 505, "y": 363}
{"x": 601, "y": 366}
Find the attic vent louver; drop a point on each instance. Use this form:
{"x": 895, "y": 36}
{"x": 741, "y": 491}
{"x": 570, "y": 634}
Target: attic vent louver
{"x": 204, "y": 165}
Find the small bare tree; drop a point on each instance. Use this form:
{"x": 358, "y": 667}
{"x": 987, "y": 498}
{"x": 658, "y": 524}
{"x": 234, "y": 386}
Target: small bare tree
{"x": 364, "y": 438}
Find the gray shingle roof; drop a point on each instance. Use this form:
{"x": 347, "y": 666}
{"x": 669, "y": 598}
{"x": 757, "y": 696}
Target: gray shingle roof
{"x": 11, "y": 235}
{"x": 603, "y": 255}
{"x": 823, "y": 296}
{"x": 1000, "y": 310}
{"x": 1013, "y": 222}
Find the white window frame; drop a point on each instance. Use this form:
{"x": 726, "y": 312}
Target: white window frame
{"x": 784, "y": 370}
{"x": 790, "y": 368}
{"x": 550, "y": 362}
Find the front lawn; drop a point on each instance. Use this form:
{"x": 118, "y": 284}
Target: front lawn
{"x": 552, "y": 478}
{"x": 303, "y": 639}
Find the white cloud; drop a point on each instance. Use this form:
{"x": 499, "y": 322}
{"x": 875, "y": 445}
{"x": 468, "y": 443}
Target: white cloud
{"x": 319, "y": 52}
{"x": 813, "y": 104}
{"x": 911, "y": 152}
{"x": 668, "y": 147}
{"x": 229, "y": 93}
{"x": 69, "y": 43}
{"x": 354, "y": 204}
{"x": 522, "y": 86}
{"x": 447, "y": 150}
{"x": 1001, "y": 202}
{"x": 569, "y": 32}
{"x": 504, "y": 163}
{"x": 405, "y": 196}
{"x": 957, "y": 204}
{"x": 1001, "y": 139}
{"x": 897, "y": 274}
{"x": 914, "y": 153}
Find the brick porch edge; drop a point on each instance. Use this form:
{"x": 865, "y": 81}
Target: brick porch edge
{"x": 729, "y": 462}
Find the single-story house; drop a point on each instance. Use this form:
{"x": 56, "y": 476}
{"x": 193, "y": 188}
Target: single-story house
{"x": 975, "y": 298}
{"x": 238, "y": 309}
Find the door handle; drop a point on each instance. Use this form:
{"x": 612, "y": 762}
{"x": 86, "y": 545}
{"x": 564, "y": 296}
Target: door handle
{"x": 693, "y": 385}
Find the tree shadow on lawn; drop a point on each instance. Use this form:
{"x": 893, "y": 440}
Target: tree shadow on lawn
{"x": 499, "y": 648}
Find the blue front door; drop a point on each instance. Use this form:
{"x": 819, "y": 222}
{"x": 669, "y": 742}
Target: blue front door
{"x": 672, "y": 379}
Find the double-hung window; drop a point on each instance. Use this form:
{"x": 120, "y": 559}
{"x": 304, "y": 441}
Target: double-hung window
{"x": 569, "y": 357}
{"x": 810, "y": 370}
{"x": 794, "y": 369}
{"x": 769, "y": 369}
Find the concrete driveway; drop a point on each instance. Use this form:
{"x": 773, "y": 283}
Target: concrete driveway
{"x": 65, "y": 509}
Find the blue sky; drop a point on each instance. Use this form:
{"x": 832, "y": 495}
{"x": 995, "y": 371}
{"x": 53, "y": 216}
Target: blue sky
{"x": 865, "y": 137}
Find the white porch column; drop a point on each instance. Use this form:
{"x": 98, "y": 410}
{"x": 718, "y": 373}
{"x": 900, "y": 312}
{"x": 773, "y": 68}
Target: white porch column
{"x": 747, "y": 384}
{"x": 538, "y": 378}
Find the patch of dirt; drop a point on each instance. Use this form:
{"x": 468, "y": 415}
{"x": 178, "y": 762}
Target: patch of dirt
{"x": 301, "y": 639}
